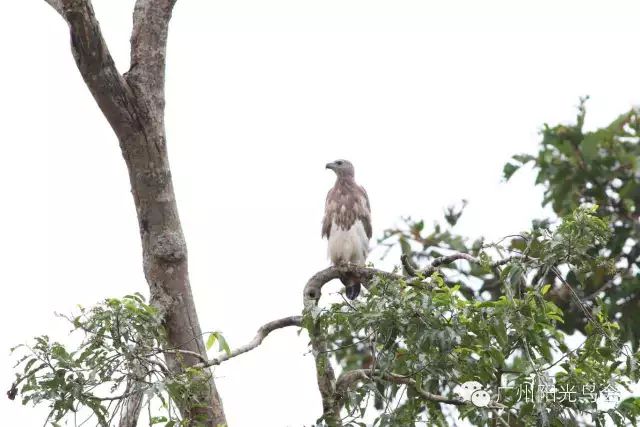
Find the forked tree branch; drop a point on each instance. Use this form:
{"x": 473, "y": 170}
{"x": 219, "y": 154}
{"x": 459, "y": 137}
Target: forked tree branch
{"x": 134, "y": 107}
{"x": 96, "y": 66}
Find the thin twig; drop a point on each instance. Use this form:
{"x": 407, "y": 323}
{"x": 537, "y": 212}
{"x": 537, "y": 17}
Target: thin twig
{"x": 262, "y": 333}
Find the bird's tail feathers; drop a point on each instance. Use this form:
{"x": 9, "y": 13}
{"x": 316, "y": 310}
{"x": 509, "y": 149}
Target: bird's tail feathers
{"x": 352, "y": 285}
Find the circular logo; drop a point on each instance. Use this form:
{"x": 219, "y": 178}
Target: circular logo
{"x": 473, "y": 391}
{"x": 465, "y": 390}
{"x": 480, "y": 398}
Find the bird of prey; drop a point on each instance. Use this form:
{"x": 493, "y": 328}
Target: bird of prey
{"x": 347, "y": 223}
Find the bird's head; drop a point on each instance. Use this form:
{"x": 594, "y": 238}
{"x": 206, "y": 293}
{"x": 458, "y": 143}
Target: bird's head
{"x": 342, "y": 168}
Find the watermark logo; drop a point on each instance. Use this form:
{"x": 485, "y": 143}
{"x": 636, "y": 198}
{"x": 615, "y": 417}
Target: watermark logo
{"x": 531, "y": 391}
{"x": 474, "y": 392}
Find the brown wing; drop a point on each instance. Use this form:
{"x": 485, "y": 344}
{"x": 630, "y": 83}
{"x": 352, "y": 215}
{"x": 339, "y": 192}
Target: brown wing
{"x": 346, "y": 202}
{"x": 329, "y": 209}
{"x": 364, "y": 211}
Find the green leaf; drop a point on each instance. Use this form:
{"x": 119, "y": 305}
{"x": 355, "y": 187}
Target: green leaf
{"x": 589, "y": 146}
{"x": 212, "y": 340}
{"x": 29, "y": 364}
{"x": 223, "y": 345}
{"x": 501, "y": 333}
{"x": 554, "y": 316}
{"x": 508, "y": 170}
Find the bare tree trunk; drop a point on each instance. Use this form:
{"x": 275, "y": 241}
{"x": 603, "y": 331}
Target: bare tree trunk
{"x": 134, "y": 106}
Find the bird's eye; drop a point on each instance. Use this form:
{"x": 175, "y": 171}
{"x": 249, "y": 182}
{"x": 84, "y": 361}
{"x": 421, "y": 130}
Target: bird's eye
{"x": 339, "y": 163}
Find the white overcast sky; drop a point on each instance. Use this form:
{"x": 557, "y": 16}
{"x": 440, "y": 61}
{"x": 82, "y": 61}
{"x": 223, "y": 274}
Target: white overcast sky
{"x": 428, "y": 99}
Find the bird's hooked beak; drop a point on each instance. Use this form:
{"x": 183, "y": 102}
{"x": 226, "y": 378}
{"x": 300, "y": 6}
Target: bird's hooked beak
{"x": 330, "y": 166}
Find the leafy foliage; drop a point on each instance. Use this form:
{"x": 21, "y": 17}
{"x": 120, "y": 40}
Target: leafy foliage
{"x": 119, "y": 356}
{"x": 600, "y": 168}
{"x": 431, "y": 332}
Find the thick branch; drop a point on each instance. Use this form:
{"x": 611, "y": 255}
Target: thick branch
{"x": 148, "y": 53}
{"x": 262, "y": 333}
{"x": 313, "y": 288}
{"x": 97, "y": 68}
{"x": 325, "y": 377}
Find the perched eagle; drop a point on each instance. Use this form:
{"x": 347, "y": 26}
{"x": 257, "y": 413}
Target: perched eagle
{"x": 347, "y": 223}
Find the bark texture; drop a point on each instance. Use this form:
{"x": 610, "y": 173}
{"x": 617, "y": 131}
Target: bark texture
{"x": 133, "y": 104}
